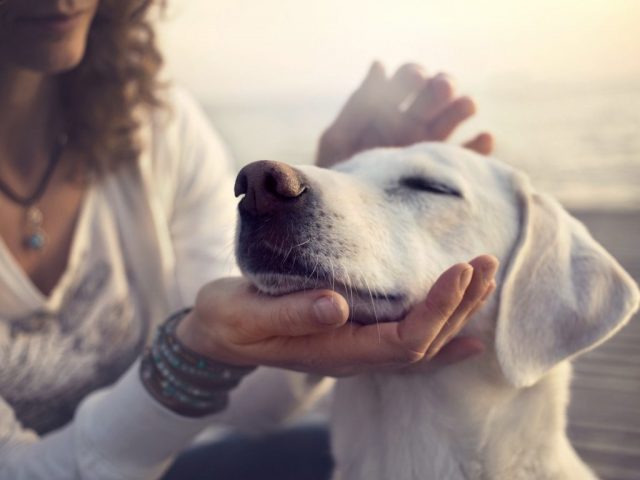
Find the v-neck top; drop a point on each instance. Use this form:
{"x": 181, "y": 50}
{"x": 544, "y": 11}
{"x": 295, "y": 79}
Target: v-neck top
{"x": 148, "y": 237}
{"x": 131, "y": 232}
{"x": 16, "y": 288}
{"x": 84, "y": 335}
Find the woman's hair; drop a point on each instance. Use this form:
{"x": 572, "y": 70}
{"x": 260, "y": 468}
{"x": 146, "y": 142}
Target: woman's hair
{"x": 117, "y": 75}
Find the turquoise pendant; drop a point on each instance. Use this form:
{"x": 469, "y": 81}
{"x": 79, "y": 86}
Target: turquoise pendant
{"x": 36, "y": 239}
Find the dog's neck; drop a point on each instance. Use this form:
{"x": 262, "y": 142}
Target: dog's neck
{"x": 463, "y": 422}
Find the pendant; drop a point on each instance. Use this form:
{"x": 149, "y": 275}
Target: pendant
{"x": 36, "y": 238}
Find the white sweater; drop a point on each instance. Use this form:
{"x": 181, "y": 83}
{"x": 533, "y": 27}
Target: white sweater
{"x": 147, "y": 239}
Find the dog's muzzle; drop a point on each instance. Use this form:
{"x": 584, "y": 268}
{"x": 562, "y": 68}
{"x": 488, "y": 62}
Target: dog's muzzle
{"x": 284, "y": 242}
{"x": 270, "y": 189}
{"x": 277, "y": 211}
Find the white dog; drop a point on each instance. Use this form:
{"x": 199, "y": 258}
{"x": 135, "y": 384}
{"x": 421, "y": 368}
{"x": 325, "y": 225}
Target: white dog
{"x": 380, "y": 228}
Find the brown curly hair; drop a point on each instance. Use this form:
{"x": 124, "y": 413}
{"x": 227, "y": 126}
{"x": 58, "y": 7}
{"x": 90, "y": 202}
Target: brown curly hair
{"x": 117, "y": 75}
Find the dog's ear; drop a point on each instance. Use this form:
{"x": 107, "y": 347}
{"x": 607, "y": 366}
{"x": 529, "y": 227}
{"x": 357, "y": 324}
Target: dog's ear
{"x": 562, "y": 292}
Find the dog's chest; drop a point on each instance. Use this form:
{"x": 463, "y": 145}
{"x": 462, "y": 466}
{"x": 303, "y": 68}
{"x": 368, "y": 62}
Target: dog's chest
{"x": 454, "y": 426}
{"x": 393, "y": 427}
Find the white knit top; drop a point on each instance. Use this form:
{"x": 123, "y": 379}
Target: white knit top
{"x": 148, "y": 237}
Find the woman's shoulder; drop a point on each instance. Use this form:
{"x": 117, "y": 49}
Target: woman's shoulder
{"x": 180, "y": 127}
{"x": 179, "y": 142}
{"x": 180, "y": 110}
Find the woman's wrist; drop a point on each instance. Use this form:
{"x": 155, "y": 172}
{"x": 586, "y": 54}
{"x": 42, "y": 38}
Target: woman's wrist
{"x": 184, "y": 380}
{"x": 189, "y": 334}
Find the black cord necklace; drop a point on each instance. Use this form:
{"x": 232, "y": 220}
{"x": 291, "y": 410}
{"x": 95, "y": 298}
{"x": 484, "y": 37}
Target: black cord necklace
{"x": 35, "y": 237}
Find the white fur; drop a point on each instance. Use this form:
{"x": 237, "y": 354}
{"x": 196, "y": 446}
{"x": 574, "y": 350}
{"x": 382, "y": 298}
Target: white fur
{"x": 500, "y": 415}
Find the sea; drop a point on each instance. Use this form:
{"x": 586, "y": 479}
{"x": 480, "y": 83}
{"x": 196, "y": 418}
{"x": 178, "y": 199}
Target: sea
{"x": 581, "y": 143}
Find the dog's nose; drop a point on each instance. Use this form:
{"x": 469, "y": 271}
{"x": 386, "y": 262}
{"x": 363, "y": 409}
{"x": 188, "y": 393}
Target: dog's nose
{"x": 268, "y": 187}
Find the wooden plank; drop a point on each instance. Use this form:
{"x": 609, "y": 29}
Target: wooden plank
{"x": 604, "y": 414}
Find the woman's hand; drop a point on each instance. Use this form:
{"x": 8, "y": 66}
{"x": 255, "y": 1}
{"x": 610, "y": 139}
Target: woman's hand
{"x": 308, "y": 331}
{"x": 377, "y": 114}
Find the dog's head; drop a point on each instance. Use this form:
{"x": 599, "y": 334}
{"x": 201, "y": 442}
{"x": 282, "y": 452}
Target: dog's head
{"x": 381, "y": 227}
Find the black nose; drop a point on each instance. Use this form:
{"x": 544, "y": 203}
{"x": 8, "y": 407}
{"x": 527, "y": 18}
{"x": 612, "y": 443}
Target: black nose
{"x": 269, "y": 187}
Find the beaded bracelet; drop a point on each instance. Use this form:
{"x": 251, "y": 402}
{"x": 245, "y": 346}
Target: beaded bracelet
{"x": 184, "y": 381}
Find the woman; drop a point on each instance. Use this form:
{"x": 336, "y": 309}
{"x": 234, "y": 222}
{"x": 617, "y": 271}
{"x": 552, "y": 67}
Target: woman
{"x": 115, "y": 210}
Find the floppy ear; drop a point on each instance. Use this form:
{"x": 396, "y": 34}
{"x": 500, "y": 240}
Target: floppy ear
{"x": 562, "y": 292}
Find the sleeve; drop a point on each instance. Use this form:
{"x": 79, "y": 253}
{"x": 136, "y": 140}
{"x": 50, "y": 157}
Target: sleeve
{"x": 119, "y": 433}
{"x": 122, "y": 432}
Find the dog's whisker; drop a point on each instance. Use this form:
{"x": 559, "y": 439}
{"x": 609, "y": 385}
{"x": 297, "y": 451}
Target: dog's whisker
{"x": 229, "y": 251}
{"x": 350, "y": 294}
{"x": 303, "y": 243}
{"x": 286, "y": 255}
{"x": 373, "y": 307}
{"x": 333, "y": 275}
{"x": 317, "y": 271}
{"x": 283, "y": 242}
{"x": 307, "y": 279}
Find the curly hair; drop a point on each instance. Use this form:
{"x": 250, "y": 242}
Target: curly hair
{"x": 117, "y": 75}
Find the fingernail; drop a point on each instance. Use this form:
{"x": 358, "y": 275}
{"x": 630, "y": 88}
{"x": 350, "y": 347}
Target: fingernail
{"x": 465, "y": 277}
{"x": 490, "y": 288}
{"x": 440, "y": 78}
{"x": 326, "y": 311}
{"x": 489, "y": 272}
{"x": 444, "y": 80}
{"x": 375, "y": 70}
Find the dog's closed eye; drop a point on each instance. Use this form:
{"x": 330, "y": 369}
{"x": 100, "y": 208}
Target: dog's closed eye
{"x": 428, "y": 185}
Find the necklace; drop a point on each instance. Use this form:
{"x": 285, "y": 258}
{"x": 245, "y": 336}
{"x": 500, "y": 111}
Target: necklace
{"x": 35, "y": 238}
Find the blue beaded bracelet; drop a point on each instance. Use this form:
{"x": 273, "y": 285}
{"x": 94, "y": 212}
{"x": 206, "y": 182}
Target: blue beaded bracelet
{"x": 181, "y": 379}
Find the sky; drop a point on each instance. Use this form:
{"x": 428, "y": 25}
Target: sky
{"x": 248, "y": 49}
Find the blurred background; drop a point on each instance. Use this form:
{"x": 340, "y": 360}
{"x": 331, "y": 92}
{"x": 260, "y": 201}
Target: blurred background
{"x": 556, "y": 81}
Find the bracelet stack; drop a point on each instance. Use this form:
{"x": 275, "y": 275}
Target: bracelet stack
{"x": 184, "y": 381}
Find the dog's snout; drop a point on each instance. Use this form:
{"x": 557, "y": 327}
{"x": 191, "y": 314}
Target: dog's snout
{"x": 268, "y": 186}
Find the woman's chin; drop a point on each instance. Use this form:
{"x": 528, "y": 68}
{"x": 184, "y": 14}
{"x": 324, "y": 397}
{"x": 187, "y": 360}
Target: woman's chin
{"x": 52, "y": 59}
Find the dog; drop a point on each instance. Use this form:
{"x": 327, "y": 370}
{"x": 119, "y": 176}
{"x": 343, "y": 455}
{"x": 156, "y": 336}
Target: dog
{"x": 379, "y": 229}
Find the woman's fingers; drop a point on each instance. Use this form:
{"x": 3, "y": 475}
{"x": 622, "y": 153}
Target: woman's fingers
{"x": 408, "y": 79}
{"x": 307, "y": 331}
{"x": 355, "y": 348}
{"x": 357, "y": 112}
{"x": 482, "y": 283}
{"x": 233, "y": 322}
{"x": 293, "y": 315}
{"x": 347, "y": 350}
{"x": 452, "y": 116}
{"x": 447, "y": 348}
{"x": 388, "y": 125}
{"x": 429, "y": 324}
{"x": 375, "y": 114}
{"x": 423, "y": 323}
{"x": 340, "y": 139}
{"x": 432, "y": 99}
{"x": 481, "y": 143}
{"x": 303, "y": 314}
{"x": 363, "y": 347}
{"x": 402, "y": 343}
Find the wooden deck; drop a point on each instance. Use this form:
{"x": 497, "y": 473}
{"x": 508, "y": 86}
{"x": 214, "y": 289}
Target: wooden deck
{"x": 604, "y": 416}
